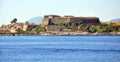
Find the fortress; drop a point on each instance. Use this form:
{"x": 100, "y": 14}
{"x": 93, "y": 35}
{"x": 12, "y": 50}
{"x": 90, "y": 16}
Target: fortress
{"x": 53, "y": 20}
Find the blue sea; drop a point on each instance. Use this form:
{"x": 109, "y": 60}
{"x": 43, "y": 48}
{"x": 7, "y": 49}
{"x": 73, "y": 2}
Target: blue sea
{"x": 59, "y": 48}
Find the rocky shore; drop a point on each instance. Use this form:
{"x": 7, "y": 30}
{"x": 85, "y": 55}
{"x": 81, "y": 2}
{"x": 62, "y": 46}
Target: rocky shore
{"x": 67, "y": 34}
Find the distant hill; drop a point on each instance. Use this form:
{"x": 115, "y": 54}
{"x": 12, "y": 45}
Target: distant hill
{"x": 36, "y": 20}
{"x": 115, "y": 20}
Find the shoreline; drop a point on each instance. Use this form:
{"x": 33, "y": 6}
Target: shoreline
{"x": 61, "y": 35}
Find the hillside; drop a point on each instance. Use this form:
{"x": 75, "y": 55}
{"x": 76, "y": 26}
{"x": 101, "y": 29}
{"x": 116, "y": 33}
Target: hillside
{"x": 115, "y": 20}
{"x": 112, "y": 23}
{"x": 36, "y": 20}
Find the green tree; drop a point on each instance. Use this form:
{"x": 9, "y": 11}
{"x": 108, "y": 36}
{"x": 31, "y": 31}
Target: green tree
{"x": 14, "y": 20}
{"x": 62, "y": 24}
{"x": 80, "y": 24}
{"x": 40, "y": 29}
{"x": 92, "y": 29}
{"x": 27, "y": 23}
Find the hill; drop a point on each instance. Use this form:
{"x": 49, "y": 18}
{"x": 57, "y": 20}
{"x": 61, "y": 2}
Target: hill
{"x": 115, "y": 20}
{"x": 36, "y": 20}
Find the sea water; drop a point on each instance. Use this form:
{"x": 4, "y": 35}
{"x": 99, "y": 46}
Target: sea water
{"x": 59, "y": 48}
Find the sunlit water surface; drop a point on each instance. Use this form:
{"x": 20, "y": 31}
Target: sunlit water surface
{"x": 59, "y": 48}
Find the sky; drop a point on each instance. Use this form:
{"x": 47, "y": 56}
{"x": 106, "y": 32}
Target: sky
{"x": 24, "y": 10}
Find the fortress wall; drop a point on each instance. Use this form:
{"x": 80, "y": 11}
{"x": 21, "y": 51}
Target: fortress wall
{"x": 45, "y": 21}
{"x": 59, "y": 20}
{"x": 86, "y": 20}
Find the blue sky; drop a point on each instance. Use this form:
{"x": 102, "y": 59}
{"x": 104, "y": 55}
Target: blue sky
{"x": 24, "y": 10}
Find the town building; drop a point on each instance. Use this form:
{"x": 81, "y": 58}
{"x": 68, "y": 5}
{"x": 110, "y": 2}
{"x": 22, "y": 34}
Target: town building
{"x": 18, "y": 26}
